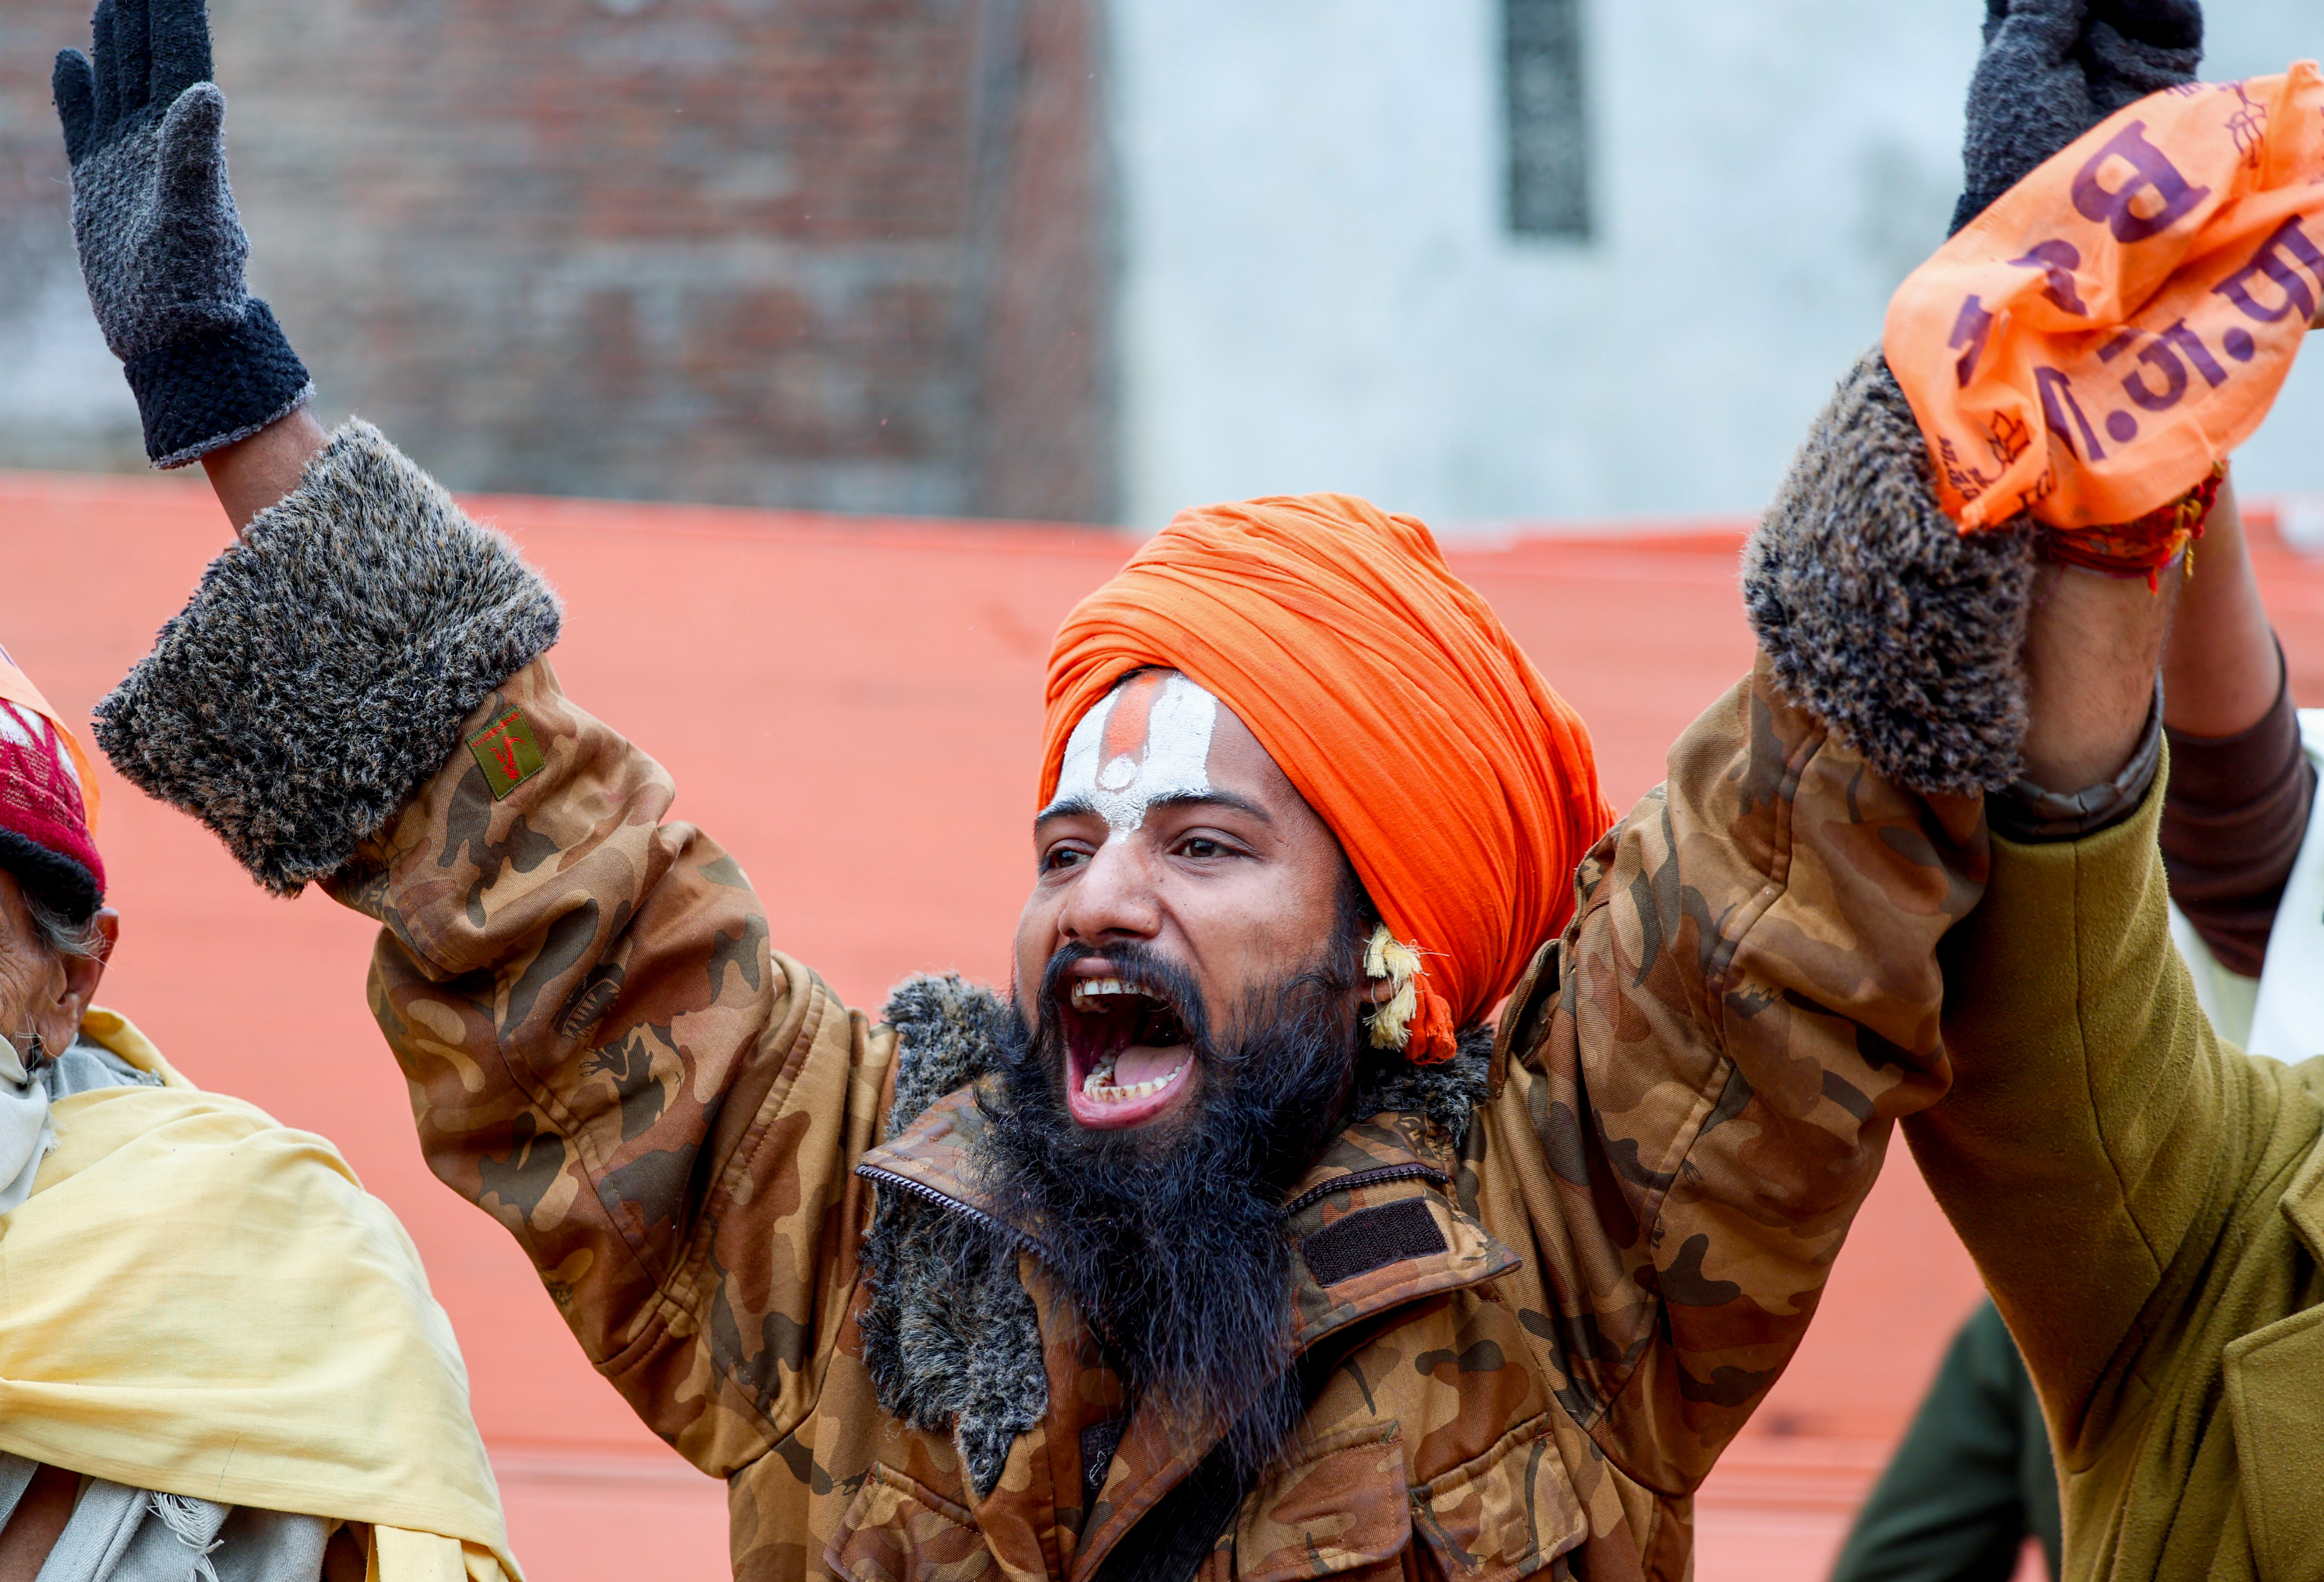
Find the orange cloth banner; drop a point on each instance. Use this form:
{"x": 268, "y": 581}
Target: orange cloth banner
{"x": 2121, "y": 318}
{"x": 1461, "y": 787}
{"x": 16, "y": 688}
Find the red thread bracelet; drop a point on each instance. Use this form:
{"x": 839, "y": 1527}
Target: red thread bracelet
{"x": 2144, "y": 547}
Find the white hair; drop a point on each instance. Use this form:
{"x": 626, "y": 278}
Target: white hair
{"x": 60, "y": 934}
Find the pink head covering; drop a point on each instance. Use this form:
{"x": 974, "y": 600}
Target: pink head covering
{"x": 48, "y": 800}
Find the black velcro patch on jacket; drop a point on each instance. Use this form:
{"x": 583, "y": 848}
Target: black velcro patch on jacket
{"x": 1372, "y": 1238}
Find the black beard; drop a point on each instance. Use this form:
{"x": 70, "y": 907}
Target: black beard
{"x": 1169, "y": 1236}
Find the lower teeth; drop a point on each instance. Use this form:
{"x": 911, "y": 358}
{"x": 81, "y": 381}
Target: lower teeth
{"x": 1099, "y": 1083}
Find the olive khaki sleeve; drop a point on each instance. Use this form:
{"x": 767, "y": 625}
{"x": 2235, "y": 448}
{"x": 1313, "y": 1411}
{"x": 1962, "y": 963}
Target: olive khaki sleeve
{"x": 603, "y": 1051}
{"x": 2099, "y": 1139}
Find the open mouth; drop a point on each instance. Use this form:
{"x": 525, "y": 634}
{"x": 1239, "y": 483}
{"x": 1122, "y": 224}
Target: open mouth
{"x": 1129, "y": 1056}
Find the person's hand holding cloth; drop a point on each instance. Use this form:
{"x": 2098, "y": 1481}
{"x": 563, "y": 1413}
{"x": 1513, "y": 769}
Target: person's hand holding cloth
{"x": 162, "y": 248}
{"x": 2137, "y": 260}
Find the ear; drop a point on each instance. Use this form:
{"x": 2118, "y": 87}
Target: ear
{"x": 84, "y": 972}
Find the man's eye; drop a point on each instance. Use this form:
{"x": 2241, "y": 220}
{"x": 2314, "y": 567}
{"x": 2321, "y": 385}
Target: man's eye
{"x": 1062, "y": 857}
{"x": 1201, "y": 850}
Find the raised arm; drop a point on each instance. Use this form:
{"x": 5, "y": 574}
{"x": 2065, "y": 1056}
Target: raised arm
{"x": 1770, "y": 965}
{"x": 2241, "y": 787}
{"x": 1756, "y": 988}
{"x": 1731, "y": 1080}
{"x": 603, "y": 1051}
{"x": 1702, "y": 1074}
{"x": 2092, "y": 1102}
{"x": 2090, "y": 1091}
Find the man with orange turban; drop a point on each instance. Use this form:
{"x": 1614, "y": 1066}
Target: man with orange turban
{"x": 1383, "y": 1161}
{"x": 1238, "y": 1238}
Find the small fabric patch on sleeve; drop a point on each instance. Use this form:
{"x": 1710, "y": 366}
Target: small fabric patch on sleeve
{"x": 1372, "y": 1238}
{"x": 507, "y": 753}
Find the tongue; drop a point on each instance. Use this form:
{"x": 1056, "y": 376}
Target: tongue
{"x": 1143, "y": 1063}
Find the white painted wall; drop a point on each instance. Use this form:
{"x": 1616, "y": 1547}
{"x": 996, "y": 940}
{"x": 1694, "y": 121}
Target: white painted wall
{"x": 1320, "y": 290}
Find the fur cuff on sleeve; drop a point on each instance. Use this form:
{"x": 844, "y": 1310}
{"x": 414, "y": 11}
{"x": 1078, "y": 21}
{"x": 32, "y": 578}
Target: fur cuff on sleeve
{"x": 320, "y": 672}
{"x": 1899, "y": 632}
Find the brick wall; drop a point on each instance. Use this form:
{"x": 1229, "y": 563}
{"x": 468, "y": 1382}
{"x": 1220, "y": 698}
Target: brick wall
{"x": 1047, "y": 444}
{"x": 836, "y": 254}
{"x": 62, "y": 402}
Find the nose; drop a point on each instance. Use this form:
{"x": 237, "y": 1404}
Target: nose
{"x": 1113, "y": 898}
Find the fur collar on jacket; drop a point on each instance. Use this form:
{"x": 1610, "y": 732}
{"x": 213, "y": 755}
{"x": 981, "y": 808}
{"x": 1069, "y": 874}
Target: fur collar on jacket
{"x": 950, "y": 1335}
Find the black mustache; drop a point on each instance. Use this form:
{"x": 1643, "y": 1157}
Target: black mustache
{"x": 1145, "y": 970}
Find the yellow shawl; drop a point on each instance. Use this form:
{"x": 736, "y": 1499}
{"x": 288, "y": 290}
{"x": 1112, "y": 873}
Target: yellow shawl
{"x": 201, "y": 1301}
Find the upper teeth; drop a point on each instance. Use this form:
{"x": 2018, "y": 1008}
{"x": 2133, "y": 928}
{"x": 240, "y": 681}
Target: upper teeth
{"x": 1089, "y": 989}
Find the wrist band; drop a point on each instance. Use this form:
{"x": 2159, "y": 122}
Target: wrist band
{"x": 2030, "y": 815}
{"x": 2144, "y": 547}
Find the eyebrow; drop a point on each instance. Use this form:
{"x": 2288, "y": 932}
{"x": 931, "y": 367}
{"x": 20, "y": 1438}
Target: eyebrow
{"x": 1068, "y": 806}
{"x": 1063, "y": 808}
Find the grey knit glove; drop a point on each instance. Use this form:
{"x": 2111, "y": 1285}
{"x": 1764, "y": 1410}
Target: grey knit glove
{"x": 2054, "y": 69}
{"x": 162, "y": 248}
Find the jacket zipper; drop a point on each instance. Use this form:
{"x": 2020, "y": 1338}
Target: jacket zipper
{"x": 1007, "y": 1233}
{"x": 1412, "y": 1170}
{"x": 1366, "y": 1178}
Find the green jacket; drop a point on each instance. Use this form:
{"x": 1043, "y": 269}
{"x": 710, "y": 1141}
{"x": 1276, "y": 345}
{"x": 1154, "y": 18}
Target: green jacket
{"x": 1971, "y": 1480}
{"x": 2146, "y": 1204}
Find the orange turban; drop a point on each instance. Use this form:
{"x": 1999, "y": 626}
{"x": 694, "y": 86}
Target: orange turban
{"x": 1461, "y": 786}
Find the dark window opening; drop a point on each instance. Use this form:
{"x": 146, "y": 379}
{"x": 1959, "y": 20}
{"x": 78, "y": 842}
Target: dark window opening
{"x": 1549, "y": 120}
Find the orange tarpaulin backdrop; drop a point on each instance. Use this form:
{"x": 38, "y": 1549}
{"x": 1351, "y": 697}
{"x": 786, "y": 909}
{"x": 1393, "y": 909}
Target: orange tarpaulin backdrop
{"x": 911, "y": 657}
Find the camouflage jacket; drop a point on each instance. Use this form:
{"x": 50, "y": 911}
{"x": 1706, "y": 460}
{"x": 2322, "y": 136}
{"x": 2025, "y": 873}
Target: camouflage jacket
{"x": 1530, "y": 1346}
{"x": 1692, "y": 1096}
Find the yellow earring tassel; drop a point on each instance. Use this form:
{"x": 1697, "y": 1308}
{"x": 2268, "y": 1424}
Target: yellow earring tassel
{"x": 1388, "y": 957}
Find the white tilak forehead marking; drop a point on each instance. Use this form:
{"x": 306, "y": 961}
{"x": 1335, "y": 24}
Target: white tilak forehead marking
{"x": 1173, "y": 761}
